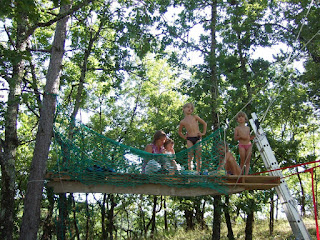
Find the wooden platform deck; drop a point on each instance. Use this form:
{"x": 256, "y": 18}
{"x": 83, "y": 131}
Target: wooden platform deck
{"x": 184, "y": 185}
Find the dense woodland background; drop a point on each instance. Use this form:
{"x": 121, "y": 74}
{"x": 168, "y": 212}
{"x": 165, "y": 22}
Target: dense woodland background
{"x": 125, "y": 68}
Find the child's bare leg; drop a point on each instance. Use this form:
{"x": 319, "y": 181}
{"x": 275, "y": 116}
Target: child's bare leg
{"x": 231, "y": 165}
{"x": 190, "y": 155}
{"x": 248, "y": 158}
{"x": 198, "y": 158}
{"x": 242, "y": 153}
{"x": 190, "y": 161}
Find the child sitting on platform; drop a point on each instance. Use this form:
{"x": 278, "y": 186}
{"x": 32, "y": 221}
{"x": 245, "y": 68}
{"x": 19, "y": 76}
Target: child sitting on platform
{"x": 227, "y": 160}
{"x": 169, "y": 146}
{"x": 171, "y": 164}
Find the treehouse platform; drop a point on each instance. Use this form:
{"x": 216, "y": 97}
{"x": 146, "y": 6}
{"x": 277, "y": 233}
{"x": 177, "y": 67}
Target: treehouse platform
{"x": 159, "y": 184}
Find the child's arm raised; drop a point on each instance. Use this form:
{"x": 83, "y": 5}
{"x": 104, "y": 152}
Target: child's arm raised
{"x": 180, "y": 131}
{"x": 200, "y": 120}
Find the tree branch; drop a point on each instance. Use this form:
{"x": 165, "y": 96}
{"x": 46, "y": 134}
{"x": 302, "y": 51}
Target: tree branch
{"x": 59, "y": 17}
{"x": 9, "y": 37}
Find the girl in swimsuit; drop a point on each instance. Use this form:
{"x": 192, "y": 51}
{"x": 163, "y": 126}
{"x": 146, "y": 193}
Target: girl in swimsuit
{"x": 242, "y": 134}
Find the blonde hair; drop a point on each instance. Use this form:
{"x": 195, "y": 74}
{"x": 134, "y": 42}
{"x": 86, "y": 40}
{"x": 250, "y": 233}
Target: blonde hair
{"x": 188, "y": 104}
{"x": 168, "y": 141}
{"x": 242, "y": 114}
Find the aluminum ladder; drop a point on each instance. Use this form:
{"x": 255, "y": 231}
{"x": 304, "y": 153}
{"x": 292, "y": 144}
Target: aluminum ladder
{"x": 289, "y": 205}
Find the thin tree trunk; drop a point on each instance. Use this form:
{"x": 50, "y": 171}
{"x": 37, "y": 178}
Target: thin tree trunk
{"x": 74, "y": 210}
{"x": 88, "y": 219}
{"x": 271, "y": 221}
{"x": 213, "y": 66}
{"x": 153, "y": 219}
{"x": 214, "y": 94}
{"x": 228, "y": 219}
{"x": 165, "y": 214}
{"x": 143, "y": 228}
{"x": 111, "y": 216}
{"x": 216, "y": 217}
{"x": 84, "y": 68}
{"x": 103, "y": 217}
{"x": 250, "y": 219}
{"x": 199, "y": 214}
{"x": 303, "y": 198}
{"x": 62, "y": 221}
{"x": 31, "y": 215}
{"x": 48, "y": 225}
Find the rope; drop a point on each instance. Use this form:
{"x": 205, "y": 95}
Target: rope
{"x": 282, "y": 168}
{"x": 287, "y": 63}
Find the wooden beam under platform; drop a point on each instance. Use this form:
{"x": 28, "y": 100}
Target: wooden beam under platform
{"x": 159, "y": 184}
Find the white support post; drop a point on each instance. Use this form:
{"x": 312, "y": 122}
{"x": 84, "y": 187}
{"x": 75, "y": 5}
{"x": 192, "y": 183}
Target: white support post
{"x": 289, "y": 205}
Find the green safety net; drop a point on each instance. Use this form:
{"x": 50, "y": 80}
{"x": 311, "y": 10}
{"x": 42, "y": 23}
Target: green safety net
{"x": 91, "y": 158}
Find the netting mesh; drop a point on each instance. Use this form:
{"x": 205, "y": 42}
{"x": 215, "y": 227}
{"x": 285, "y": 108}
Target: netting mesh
{"x": 91, "y": 158}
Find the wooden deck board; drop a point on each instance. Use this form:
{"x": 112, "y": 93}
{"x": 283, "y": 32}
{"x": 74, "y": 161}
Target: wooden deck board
{"x": 184, "y": 185}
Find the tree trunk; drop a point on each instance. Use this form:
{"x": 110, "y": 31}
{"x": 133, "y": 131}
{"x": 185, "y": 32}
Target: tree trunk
{"x": 199, "y": 214}
{"x": 153, "y": 219}
{"x": 31, "y": 215}
{"x": 103, "y": 217}
{"x": 143, "y": 227}
{"x": 271, "y": 221}
{"x": 303, "y": 198}
{"x": 216, "y": 217}
{"x": 213, "y": 66}
{"x": 228, "y": 219}
{"x": 111, "y": 216}
{"x": 48, "y": 225}
{"x": 84, "y": 69}
{"x": 249, "y": 226}
{"x": 11, "y": 142}
{"x": 74, "y": 211}
{"x": 62, "y": 220}
{"x": 250, "y": 219}
{"x": 188, "y": 213}
{"x": 214, "y": 95}
{"x": 88, "y": 219}
{"x": 165, "y": 214}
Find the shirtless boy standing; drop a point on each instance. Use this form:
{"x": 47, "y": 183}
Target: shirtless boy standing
{"x": 193, "y": 134}
{"x": 242, "y": 134}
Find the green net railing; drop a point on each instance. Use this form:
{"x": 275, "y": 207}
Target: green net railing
{"x": 91, "y": 158}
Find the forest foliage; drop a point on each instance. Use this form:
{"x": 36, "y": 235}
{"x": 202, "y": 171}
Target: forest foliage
{"x": 127, "y": 69}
